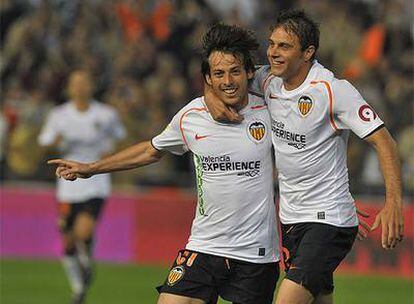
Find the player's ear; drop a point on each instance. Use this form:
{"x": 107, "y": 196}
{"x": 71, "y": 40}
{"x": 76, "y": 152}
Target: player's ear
{"x": 309, "y": 52}
{"x": 208, "y": 79}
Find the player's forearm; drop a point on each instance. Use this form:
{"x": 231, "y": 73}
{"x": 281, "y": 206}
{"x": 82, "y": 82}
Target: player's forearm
{"x": 390, "y": 165}
{"x": 391, "y": 170}
{"x": 133, "y": 157}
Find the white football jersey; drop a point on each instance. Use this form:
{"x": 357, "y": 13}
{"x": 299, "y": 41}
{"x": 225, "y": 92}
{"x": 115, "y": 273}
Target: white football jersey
{"x": 86, "y": 136}
{"x": 235, "y": 215}
{"x": 310, "y": 129}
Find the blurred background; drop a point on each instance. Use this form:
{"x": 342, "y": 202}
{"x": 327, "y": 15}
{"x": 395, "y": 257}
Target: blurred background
{"x": 144, "y": 58}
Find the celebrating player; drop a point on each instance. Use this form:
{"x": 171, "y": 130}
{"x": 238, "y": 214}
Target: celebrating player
{"x": 312, "y": 114}
{"x": 84, "y": 130}
{"x": 232, "y": 250}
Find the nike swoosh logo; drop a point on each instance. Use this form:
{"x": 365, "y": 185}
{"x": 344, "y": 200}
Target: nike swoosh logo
{"x": 273, "y": 96}
{"x": 198, "y": 137}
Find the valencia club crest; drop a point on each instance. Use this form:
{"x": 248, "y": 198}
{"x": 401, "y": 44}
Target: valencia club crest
{"x": 305, "y": 105}
{"x": 256, "y": 130}
{"x": 175, "y": 275}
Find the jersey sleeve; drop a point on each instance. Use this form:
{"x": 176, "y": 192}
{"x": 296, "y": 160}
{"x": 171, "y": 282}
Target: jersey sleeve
{"x": 256, "y": 85}
{"x": 171, "y": 138}
{"x": 351, "y": 111}
{"x": 50, "y": 130}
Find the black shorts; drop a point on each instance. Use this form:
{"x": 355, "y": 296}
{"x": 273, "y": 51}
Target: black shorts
{"x": 312, "y": 252}
{"x": 69, "y": 211}
{"x": 204, "y": 276}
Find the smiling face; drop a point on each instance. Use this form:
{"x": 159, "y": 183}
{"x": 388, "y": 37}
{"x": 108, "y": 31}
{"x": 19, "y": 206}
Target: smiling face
{"x": 286, "y": 57}
{"x": 228, "y": 78}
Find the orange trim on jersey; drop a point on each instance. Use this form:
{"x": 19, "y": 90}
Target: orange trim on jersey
{"x": 259, "y": 107}
{"x": 181, "y": 121}
{"x": 331, "y": 115}
{"x": 267, "y": 79}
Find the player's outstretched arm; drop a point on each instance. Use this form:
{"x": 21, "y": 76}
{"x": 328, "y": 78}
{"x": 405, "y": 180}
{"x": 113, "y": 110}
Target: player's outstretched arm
{"x": 391, "y": 215}
{"x": 133, "y": 157}
{"x": 218, "y": 110}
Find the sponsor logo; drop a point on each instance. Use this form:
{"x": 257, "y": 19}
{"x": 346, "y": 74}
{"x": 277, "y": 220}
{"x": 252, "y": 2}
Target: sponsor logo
{"x": 305, "y": 104}
{"x": 295, "y": 140}
{"x": 297, "y": 145}
{"x": 175, "y": 275}
{"x": 252, "y": 173}
{"x": 321, "y": 215}
{"x": 198, "y": 137}
{"x": 223, "y": 163}
{"x": 256, "y": 130}
{"x": 366, "y": 113}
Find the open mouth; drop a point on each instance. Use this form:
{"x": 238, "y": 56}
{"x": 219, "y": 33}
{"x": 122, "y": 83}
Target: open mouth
{"x": 277, "y": 63}
{"x": 230, "y": 91}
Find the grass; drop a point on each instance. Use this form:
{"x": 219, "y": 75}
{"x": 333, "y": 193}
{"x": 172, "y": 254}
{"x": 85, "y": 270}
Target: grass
{"x": 35, "y": 281}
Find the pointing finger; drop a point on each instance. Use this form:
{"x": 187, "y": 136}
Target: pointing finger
{"x": 56, "y": 161}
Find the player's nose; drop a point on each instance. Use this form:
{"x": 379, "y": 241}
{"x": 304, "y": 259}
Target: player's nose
{"x": 227, "y": 79}
{"x": 274, "y": 54}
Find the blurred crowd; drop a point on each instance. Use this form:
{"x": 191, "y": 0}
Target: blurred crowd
{"x": 144, "y": 57}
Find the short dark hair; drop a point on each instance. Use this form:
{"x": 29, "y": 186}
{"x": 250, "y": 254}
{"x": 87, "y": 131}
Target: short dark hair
{"x": 230, "y": 39}
{"x": 300, "y": 24}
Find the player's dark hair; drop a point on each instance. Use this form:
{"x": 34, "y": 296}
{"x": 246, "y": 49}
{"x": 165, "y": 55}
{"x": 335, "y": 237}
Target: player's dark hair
{"x": 229, "y": 39}
{"x": 300, "y": 24}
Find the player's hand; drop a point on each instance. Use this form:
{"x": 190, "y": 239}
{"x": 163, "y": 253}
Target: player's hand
{"x": 71, "y": 170}
{"x": 392, "y": 225}
{"x": 218, "y": 110}
{"x": 363, "y": 227}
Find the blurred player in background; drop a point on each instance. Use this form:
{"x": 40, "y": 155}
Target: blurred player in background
{"x": 84, "y": 130}
{"x": 312, "y": 114}
{"x": 232, "y": 251}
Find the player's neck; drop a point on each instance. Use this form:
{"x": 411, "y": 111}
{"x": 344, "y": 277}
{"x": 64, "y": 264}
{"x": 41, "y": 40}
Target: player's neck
{"x": 242, "y": 103}
{"x": 81, "y": 105}
{"x": 296, "y": 80}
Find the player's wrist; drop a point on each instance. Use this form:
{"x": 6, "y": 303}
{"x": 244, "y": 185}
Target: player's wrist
{"x": 92, "y": 168}
{"x": 393, "y": 203}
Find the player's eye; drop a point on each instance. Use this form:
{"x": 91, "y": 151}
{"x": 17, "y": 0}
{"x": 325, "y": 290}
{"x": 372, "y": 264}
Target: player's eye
{"x": 284, "y": 46}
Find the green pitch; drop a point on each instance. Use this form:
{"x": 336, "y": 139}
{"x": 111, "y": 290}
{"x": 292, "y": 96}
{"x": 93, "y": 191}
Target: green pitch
{"x": 43, "y": 282}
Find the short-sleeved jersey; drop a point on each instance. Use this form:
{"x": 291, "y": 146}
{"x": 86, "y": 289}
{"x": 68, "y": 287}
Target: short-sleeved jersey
{"x": 85, "y": 137}
{"x": 235, "y": 215}
{"x": 310, "y": 129}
